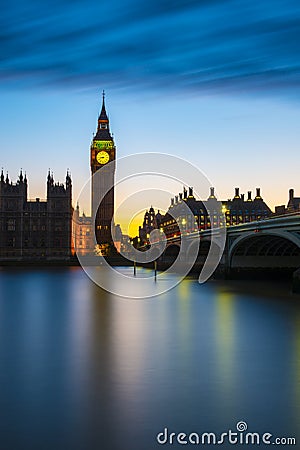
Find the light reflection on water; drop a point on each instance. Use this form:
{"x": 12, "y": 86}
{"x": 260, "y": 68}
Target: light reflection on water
{"x": 83, "y": 369}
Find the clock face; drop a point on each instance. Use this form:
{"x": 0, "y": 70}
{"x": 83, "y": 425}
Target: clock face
{"x": 102, "y": 157}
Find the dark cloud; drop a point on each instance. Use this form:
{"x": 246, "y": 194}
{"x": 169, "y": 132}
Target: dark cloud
{"x": 235, "y": 45}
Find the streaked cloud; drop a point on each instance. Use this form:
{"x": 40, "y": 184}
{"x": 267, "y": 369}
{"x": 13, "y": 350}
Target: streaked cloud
{"x": 233, "y": 45}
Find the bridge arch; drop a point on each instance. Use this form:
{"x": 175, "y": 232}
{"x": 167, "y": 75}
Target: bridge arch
{"x": 155, "y": 253}
{"x": 171, "y": 252}
{"x": 269, "y": 249}
{"x": 206, "y": 247}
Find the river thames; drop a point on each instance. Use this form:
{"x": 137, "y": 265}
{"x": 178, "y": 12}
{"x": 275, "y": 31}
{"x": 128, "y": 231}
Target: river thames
{"x": 83, "y": 369}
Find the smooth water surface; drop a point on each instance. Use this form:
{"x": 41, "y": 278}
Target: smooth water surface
{"x": 83, "y": 369}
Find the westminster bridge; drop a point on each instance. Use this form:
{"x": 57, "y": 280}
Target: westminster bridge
{"x": 268, "y": 244}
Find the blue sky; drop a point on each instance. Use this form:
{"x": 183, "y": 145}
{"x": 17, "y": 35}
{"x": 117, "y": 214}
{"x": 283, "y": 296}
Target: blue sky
{"x": 212, "y": 81}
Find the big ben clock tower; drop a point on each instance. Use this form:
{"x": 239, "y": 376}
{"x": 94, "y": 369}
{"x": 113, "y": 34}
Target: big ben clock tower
{"x": 103, "y": 154}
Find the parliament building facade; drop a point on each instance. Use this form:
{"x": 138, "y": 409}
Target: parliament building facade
{"x": 35, "y": 229}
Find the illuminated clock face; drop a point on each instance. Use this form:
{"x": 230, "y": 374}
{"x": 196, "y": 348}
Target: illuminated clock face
{"x": 102, "y": 157}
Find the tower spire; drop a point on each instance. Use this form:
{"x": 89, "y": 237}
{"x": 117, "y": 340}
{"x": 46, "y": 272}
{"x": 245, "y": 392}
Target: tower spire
{"x": 68, "y": 179}
{"x": 103, "y": 115}
{"x": 103, "y": 132}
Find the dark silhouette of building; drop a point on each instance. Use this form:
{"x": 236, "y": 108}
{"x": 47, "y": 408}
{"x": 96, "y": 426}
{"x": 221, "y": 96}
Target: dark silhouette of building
{"x": 103, "y": 152}
{"x": 204, "y": 214}
{"x": 238, "y": 210}
{"x": 151, "y": 221}
{"x": 293, "y": 205}
{"x": 39, "y": 229}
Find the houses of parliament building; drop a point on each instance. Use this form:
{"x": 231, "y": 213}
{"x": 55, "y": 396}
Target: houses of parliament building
{"x": 35, "y": 229}
{"x": 50, "y": 230}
